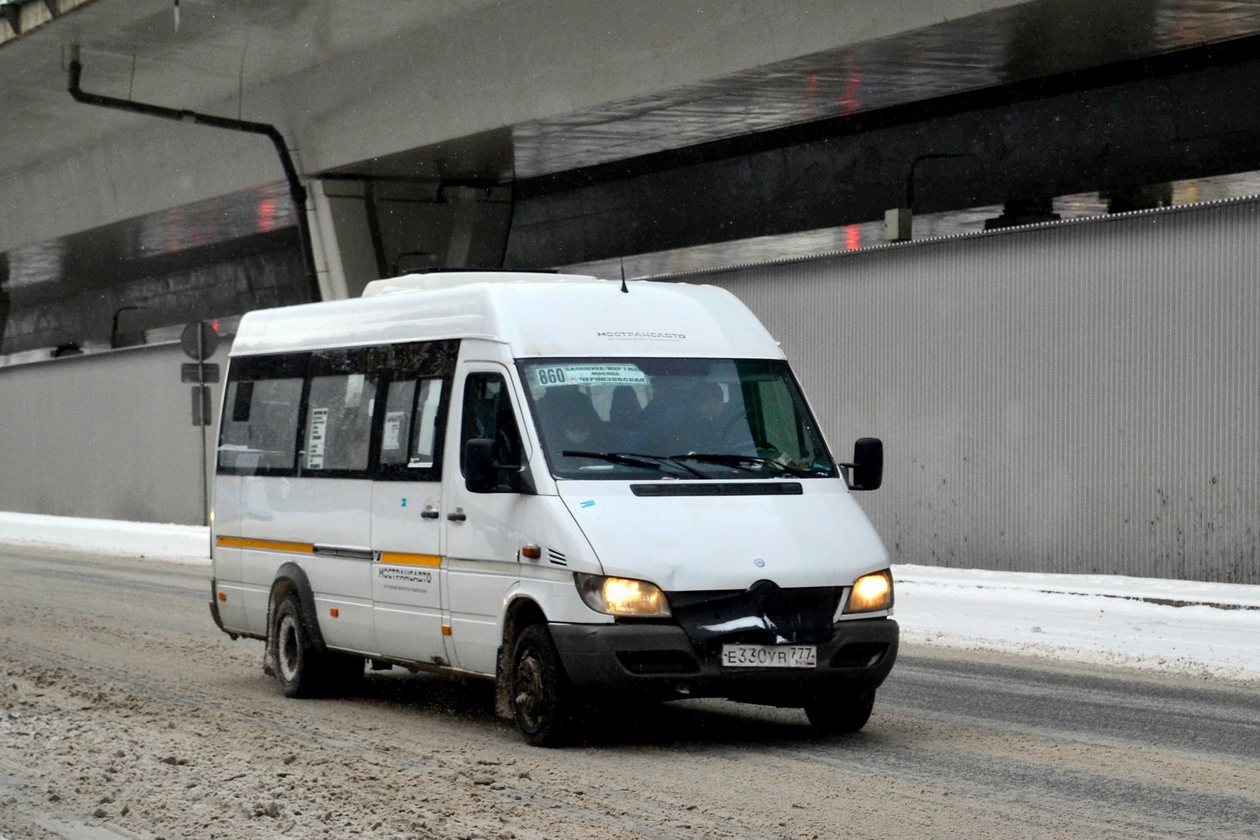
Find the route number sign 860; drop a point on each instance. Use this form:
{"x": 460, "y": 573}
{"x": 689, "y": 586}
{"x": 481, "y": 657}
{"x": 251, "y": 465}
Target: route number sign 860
{"x": 551, "y": 376}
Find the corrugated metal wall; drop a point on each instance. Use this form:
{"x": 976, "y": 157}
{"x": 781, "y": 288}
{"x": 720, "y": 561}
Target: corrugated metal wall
{"x": 1082, "y": 397}
{"x": 1077, "y": 398}
{"x": 106, "y": 436}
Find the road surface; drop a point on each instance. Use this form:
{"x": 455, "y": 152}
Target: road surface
{"x": 125, "y": 713}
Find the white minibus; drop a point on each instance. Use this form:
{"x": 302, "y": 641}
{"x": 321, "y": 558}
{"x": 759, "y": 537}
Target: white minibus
{"x": 578, "y": 488}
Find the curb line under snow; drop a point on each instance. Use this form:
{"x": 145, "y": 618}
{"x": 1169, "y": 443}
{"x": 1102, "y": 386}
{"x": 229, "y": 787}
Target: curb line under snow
{"x": 1194, "y": 628}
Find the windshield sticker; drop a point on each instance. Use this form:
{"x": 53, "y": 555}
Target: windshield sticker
{"x": 315, "y": 451}
{"x": 393, "y": 431}
{"x": 587, "y": 374}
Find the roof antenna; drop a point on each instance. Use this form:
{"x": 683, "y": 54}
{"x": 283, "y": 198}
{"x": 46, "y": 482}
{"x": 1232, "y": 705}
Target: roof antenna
{"x": 622, "y": 260}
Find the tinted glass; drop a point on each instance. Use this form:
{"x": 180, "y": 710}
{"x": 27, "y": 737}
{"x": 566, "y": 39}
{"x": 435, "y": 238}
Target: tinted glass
{"x": 413, "y": 404}
{"x": 488, "y": 415}
{"x": 339, "y": 422}
{"x": 682, "y": 418}
{"x": 260, "y": 425}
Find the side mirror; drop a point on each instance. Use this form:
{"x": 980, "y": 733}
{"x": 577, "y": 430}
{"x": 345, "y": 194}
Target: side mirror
{"x": 867, "y": 470}
{"x": 480, "y": 473}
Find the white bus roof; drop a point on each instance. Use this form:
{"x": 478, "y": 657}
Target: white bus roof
{"x": 536, "y": 315}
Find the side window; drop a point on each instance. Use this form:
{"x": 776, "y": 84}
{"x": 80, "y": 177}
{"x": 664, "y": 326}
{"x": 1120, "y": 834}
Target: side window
{"x": 355, "y": 412}
{"x": 411, "y": 423}
{"x": 488, "y": 414}
{"x": 339, "y": 422}
{"x": 261, "y": 409}
{"x": 415, "y": 406}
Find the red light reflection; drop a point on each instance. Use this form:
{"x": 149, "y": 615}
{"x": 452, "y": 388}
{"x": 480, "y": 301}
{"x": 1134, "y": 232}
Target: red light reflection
{"x": 852, "y": 237}
{"x": 267, "y": 216}
{"x": 849, "y": 101}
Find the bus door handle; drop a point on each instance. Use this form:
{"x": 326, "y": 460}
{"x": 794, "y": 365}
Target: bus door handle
{"x": 429, "y": 513}
{"x": 457, "y": 516}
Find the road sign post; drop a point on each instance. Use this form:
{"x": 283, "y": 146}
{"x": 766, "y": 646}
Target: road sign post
{"x": 199, "y": 341}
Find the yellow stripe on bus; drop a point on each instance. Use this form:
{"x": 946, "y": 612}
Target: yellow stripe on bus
{"x": 398, "y": 558}
{"x": 266, "y": 545}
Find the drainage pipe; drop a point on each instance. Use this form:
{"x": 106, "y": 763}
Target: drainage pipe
{"x": 297, "y": 192}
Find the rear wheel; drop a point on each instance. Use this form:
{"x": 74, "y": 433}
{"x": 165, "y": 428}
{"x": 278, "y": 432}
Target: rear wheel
{"x": 301, "y": 669}
{"x": 295, "y": 670}
{"x": 840, "y": 714}
{"x": 543, "y": 701}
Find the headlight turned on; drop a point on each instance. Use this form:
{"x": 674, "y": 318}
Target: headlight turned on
{"x": 622, "y": 596}
{"x": 871, "y": 592}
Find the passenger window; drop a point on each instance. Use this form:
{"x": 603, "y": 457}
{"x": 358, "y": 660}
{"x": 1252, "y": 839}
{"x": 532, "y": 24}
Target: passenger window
{"x": 260, "y": 425}
{"x": 343, "y": 431}
{"x": 411, "y": 423}
{"x": 424, "y": 442}
{"x": 488, "y": 414}
{"x": 339, "y": 422}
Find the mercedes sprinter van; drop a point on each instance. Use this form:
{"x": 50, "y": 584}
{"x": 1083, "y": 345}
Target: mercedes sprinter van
{"x": 577, "y": 488}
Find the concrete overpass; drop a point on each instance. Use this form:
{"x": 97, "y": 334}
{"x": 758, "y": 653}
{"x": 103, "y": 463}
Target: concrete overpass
{"x": 544, "y": 132}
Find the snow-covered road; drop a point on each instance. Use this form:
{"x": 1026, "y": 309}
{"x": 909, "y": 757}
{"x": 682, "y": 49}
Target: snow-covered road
{"x": 1187, "y": 627}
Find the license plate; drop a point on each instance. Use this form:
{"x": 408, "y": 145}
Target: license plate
{"x": 769, "y": 656}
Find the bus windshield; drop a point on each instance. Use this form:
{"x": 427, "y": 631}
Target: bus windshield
{"x": 673, "y": 418}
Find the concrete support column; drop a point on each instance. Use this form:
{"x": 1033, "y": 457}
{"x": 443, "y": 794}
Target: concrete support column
{"x": 349, "y": 233}
{"x": 382, "y": 228}
{"x": 4, "y": 296}
{"x": 328, "y": 264}
{"x": 463, "y": 202}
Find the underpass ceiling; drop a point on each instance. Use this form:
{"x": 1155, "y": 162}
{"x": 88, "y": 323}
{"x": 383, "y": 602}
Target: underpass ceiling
{"x": 996, "y": 48}
{"x": 222, "y": 50}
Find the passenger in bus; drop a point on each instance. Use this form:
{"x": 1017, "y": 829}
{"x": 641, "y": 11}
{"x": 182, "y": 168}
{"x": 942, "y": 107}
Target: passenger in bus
{"x": 625, "y": 409}
{"x": 625, "y": 419}
{"x": 720, "y": 426}
{"x": 708, "y": 434}
{"x": 570, "y": 415}
{"x": 667, "y": 417}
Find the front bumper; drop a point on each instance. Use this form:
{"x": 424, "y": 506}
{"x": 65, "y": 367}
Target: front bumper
{"x": 660, "y": 659}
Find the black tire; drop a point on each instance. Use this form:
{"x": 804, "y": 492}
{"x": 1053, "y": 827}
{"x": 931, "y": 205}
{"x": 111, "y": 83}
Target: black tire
{"x": 840, "y": 714}
{"x": 295, "y": 666}
{"x": 301, "y": 669}
{"x": 543, "y": 701}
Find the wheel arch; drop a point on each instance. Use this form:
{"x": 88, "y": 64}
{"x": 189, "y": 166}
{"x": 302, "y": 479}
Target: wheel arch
{"x": 521, "y": 610}
{"x": 290, "y": 580}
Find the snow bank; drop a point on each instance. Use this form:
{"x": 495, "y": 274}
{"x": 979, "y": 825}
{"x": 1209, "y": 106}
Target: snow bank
{"x": 1187, "y": 627}
{"x": 174, "y": 543}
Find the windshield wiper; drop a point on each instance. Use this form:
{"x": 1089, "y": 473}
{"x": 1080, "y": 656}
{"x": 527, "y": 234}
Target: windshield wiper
{"x": 635, "y": 459}
{"x": 614, "y": 457}
{"x": 745, "y": 461}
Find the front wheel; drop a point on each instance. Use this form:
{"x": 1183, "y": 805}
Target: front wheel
{"x": 543, "y": 701}
{"x": 840, "y": 714}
